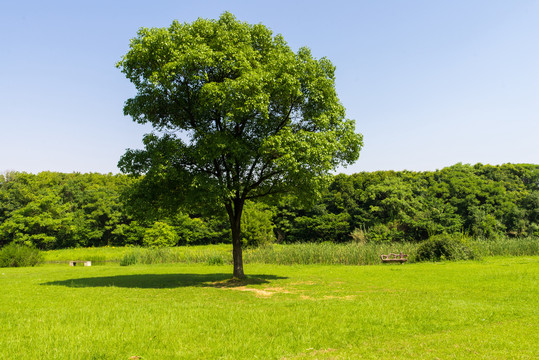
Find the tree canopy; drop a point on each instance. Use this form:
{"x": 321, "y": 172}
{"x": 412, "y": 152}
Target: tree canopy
{"x": 238, "y": 116}
{"x": 52, "y": 210}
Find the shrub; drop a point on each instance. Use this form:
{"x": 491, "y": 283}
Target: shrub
{"x": 385, "y": 233}
{"x": 15, "y": 255}
{"x": 256, "y": 225}
{"x": 445, "y": 247}
{"x": 160, "y": 235}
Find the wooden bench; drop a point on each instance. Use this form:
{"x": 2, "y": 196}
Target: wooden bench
{"x": 75, "y": 262}
{"x": 394, "y": 258}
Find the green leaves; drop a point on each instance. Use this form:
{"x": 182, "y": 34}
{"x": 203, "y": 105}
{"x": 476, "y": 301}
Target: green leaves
{"x": 160, "y": 235}
{"x": 257, "y": 226}
{"x": 53, "y": 210}
{"x": 259, "y": 119}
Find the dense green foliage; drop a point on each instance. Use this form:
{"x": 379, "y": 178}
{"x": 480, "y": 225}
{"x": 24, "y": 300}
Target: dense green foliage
{"x": 445, "y": 247}
{"x": 257, "y": 225}
{"x": 482, "y": 201}
{"x": 54, "y": 210}
{"x": 238, "y": 116}
{"x": 160, "y": 235}
{"x": 15, "y": 255}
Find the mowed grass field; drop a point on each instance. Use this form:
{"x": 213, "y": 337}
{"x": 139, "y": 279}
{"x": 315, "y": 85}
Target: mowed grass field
{"x": 484, "y": 309}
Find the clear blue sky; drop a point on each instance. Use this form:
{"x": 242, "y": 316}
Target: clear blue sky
{"x": 430, "y": 83}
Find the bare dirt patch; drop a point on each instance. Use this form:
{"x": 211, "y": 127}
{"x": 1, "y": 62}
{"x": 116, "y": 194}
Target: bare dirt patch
{"x": 266, "y": 292}
{"x": 257, "y": 292}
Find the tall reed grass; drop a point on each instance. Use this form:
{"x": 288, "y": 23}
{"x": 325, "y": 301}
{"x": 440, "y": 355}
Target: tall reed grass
{"x": 352, "y": 253}
{"x": 212, "y": 255}
{"x": 307, "y": 253}
{"x": 325, "y": 253}
{"x": 507, "y": 246}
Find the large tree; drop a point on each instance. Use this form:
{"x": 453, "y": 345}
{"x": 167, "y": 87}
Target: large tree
{"x": 238, "y": 116}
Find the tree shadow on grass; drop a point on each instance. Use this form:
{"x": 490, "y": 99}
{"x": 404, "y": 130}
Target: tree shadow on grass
{"x": 165, "y": 281}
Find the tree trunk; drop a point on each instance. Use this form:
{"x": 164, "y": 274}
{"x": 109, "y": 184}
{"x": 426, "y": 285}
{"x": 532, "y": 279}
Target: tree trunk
{"x": 234, "y": 214}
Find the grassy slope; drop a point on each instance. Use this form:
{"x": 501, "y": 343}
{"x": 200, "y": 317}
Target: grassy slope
{"x": 460, "y": 310}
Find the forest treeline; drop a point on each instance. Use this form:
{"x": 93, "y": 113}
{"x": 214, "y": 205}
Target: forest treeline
{"x": 56, "y": 210}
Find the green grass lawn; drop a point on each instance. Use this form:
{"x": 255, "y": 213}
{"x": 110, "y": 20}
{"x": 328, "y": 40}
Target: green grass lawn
{"x": 479, "y": 309}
